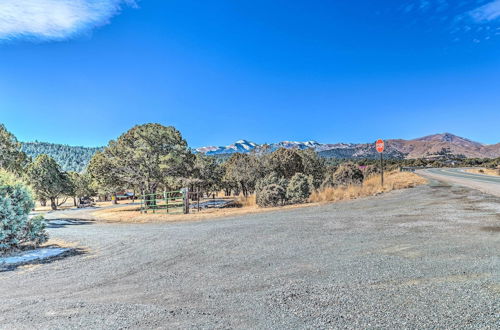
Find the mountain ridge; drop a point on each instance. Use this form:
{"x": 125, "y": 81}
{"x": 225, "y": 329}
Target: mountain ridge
{"x": 76, "y": 158}
{"x": 428, "y": 146}
{"x": 70, "y": 158}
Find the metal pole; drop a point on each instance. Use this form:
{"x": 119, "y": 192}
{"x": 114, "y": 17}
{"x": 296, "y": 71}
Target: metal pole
{"x": 382, "y": 169}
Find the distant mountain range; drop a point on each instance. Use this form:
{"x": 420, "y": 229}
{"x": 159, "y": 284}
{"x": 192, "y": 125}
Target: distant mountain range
{"x": 74, "y": 158}
{"x": 436, "y": 145}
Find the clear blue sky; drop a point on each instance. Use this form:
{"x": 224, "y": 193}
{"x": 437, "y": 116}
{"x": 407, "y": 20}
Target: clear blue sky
{"x": 81, "y": 73}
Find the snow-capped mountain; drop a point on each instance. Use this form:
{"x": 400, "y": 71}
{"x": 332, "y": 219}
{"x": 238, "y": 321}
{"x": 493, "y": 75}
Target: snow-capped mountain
{"x": 238, "y": 146}
{"x": 295, "y": 145}
{"x": 427, "y": 146}
{"x": 247, "y": 146}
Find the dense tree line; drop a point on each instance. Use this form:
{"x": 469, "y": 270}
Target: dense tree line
{"x": 151, "y": 158}
{"x": 70, "y": 158}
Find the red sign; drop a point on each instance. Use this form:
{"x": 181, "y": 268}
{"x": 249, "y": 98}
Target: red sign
{"x": 380, "y": 145}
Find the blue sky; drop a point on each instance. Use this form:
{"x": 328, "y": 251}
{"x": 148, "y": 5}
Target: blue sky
{"x": 81, "y": 72}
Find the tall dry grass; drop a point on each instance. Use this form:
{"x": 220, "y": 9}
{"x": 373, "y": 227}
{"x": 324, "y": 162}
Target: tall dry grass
{"x": 250, "y": 201}
{"x": 371, "y": 186}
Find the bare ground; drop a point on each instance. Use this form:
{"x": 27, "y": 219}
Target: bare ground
{"x": 425, "y": 257}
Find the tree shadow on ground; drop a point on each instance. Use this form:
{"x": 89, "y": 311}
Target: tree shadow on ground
{"x": 62, "y": 223}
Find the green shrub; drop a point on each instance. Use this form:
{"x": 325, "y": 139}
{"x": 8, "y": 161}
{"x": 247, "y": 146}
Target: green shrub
{"x": 16, "y": 203}
{"x": 269, "y": 179}
{"x": 370, "y": 170}
{"x": 271, "y": 195}
{"x": 328, "y": 182}
{"x": 299, "y": 189}
{"x": 346, "y": 174}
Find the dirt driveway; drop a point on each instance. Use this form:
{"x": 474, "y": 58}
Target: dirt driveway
{"x": 426, "y": 257}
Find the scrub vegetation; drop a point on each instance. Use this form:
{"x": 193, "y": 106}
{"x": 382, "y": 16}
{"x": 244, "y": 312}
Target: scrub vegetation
{"x": 371, "y": 186}
{"x": 152, "y": 158}
{"x": 16, "y": 228}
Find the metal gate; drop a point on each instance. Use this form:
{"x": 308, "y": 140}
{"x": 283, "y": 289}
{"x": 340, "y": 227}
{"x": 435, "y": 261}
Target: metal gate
{"x": 165, "y": 202}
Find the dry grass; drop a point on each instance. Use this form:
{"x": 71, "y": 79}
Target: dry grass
{"x": 250, "y": 201}
{"x": 486, "y": 171}
{"x": 60, "y": 243}
{"x": 131, "y": 213}
{"x": 393, "y": 180}
{"x": 371, "y": 187}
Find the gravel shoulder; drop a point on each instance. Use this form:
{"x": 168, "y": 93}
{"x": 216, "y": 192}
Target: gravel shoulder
{"x": 419, "y": 258}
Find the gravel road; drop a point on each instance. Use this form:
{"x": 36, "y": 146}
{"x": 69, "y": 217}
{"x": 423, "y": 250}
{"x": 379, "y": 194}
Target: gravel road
{"x": 426, "y": 257}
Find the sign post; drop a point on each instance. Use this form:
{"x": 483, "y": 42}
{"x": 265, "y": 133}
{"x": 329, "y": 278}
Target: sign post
{"x": 380, "y": 146}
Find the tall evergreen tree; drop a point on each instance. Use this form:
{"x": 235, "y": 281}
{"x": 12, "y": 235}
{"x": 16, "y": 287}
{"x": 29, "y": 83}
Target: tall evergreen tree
{"x": 209, "y": 172}
{"x": 103, "y": 176}
{"x": 11, "y": 156}
{"x": 47, "y": 179}
{"x": 148, "y": 155}
{"x": 81, "y": 186}
{"x": 242, "y": 171}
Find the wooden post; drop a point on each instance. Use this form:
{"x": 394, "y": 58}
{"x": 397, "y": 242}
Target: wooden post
{"x": 155, "y": 205}
{"x": 198, "y": 197}
{"x": 144, "y": 204}
{"x": 382, "y": 169}
{"x": 186, "y": 200}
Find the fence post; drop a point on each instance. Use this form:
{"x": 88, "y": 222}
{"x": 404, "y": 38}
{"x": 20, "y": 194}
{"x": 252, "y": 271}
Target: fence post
{"x": 198, "y": 198}
{"x": 186, "y": 200}
{"x": 144, "y": 202}
{"x": 142, "y": 205}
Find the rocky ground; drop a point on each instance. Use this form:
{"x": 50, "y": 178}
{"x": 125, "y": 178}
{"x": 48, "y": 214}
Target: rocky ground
{"x": 426, "y": 257}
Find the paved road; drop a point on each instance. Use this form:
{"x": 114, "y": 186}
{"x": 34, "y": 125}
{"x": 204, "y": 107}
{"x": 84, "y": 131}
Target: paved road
{"x": 421, "y": 258}
{"x": 485, "y": 183}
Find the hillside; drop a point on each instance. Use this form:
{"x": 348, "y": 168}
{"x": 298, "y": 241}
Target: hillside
{"x": 71, "y": 158}
{"x": 433, "y": 145}
{"x": 430, "y": 146}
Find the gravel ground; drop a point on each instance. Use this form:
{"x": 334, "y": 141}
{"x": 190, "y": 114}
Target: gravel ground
{"x": 426, "y": 257}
